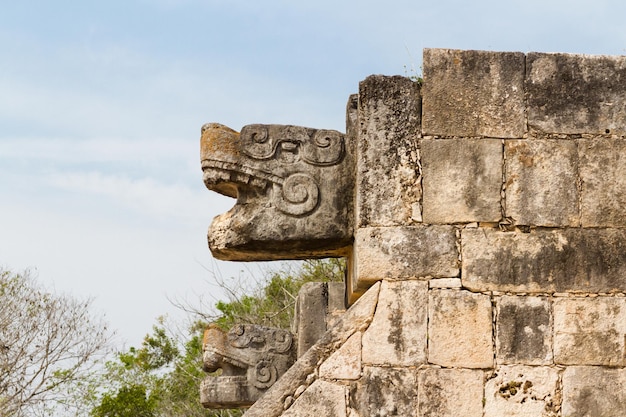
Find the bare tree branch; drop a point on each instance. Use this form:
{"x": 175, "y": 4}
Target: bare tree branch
{"x": 48, "y": 343}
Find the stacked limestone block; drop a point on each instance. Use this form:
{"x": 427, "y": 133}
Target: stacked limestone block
{"x": 489, "y": 251}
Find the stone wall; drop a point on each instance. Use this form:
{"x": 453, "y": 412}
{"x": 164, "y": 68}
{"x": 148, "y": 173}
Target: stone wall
{"x": 489, "y": 254}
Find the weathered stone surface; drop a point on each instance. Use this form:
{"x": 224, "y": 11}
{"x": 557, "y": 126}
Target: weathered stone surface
{"x": 310, "y": 314}
{"x": 473, "y": 93}
{"x": 385, "y": 392}
{"x": 345, "y": 363}
{"x": 336, "y": 302}
{"x": 542, "y": 182}
{"x": 576, "y": 93}
{"x": 320, "y": 399}
{"x": 397, "y": 335}
{"x": 356, "y": 319}
{"x": 251, "y": 359}
{"x": 575, "y": 183}
{"x": 520, "y": 391}
{"x": 444, "y": 283}
{"x": 591, "y": 391}
{"x": 590, "y": 331}
{"x": 404, "y": 252}
{"x": 294, "y": 189}
{"x": 459, "y": 329}
{"x": 388, "y": 185}
{"x": 603, "y": 178}
{"x": 462, "y": 180}
{"x": 523, "y": 330}
{"x": 567, "y": 260}
{"x": 450, "y": 393}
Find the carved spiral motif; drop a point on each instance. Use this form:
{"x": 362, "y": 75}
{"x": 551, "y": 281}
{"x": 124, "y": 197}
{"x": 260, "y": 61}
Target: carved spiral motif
{"x": 238, "y": 330}
{"x": 265, "y": 374}
{"x": 242, "y": 336}
{"x": 257, "y": 143}
{"x": 316, "y": 147}
{"x": 298, "y": 195}
{"x": 281, "y": 341}
{"x": 326, "y": 148}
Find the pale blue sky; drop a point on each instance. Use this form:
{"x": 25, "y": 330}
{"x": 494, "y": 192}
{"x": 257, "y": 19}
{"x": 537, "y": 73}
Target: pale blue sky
{"x": 101, "y": 104}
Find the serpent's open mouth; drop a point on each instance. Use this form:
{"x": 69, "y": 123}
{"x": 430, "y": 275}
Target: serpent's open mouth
{"x": 227, "y": 178}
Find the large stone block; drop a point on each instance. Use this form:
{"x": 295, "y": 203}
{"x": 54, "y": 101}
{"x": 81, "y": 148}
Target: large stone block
{"x": 590, "y": 331}
{"x": 462, "y": 180}
{"x": 576, "y": 93}
{"x": 388, "y": 185}
{"x": 523, "y": 330}
{"x": 397, "y": 335}
{"x": 450, "y": 393}
{"x": 460, "y": 329}
{"x": 317, "y": 307}
{"x": 591, "y": 391}
{"x": 320, "y": 399}
{"x": 473, "y": 93}
{"x": 383, "y": 392}
{"x": 520, "y": 391}
{"x": 603, "y": 178}
{"x": 542, "y": 182}
{"x": 345, "y": 363}
{"x": 309, "y": 322}
{"x": 396, "y": 253}
{"x": 567, "y": 260}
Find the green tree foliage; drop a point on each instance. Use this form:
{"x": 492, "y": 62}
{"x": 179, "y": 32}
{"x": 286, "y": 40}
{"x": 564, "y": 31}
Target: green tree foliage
{"x": 272, "y": 304}
{"x": 49, "y": 345}
{"x": 162, "y": 377}
{"x": 129, "y": 401}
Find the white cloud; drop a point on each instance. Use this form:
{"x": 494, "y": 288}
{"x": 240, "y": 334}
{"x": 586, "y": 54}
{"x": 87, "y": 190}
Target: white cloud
{"x": 105, "y": 149}
{"x": 145, "y": 196}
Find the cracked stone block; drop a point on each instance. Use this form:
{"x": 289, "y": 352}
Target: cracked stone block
{"x": 542, "y": 182}
{"x": 460, "y": 329}
{"x": 384, "y": 392}
{"x": 318, "y": 306}
{"x": 450, "y": 393}
{"x": 462, "y": 180}
{"x": 566, "y": 260}
{"x": 388, "y": 185}
{"x": 520, "y": 391}
{"x": 590, "y": 331}
{"x": 320, "y": 399}
{"x": 345, "y": 363}
{"x": 603, "y": 177}
{"x": 310, "y": 315}
{"x": 395, "y": 253}
{"x": 523, "y": 330}
{"x": 570, "y": 93}
{"x": 473, "y": 93}
{"x": 397, "y": 334}
{"x": 591, "y": 391}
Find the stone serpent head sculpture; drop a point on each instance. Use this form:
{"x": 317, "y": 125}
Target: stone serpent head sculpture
{"x": 294, "y": 191}
{"x": 249, "y": 358}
